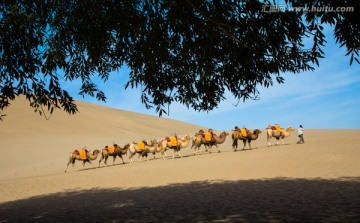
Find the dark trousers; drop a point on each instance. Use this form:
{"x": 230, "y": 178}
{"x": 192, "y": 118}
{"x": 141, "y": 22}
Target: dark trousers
{"x": 301, "y": 140}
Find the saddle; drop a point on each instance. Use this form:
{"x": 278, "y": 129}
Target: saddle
{"x": 82, "y": 153}
{"x": 172, "y": 140}
{"x": 243, "y": 132}
{"x": 208, "y": 136}
{"x": 276, "y": 128}
{"x": 141, "y": 145}
{"x": 110, "y": 149}
{"x": 77, "y": 151}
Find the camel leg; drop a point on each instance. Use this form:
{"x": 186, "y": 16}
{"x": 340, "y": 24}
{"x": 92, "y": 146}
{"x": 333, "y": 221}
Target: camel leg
{"x": 105, "y": 161}
{"x": 146, "y": 156}
{"x": 194, "y": 146}
{"x": 114, "y": 158}
{"x": 249, "y": 142}
{"x": 100, "y": 160}
{"x": 197, "y": 150}
{"x": 235, "y": 144}
{"x": 175, "y": 152}
{"x": 179, "y": 152}
{"x": 244, "y": 142}
{"x": 122, "y": 159}
{"x": 268, "y": 140}
{"x": 269, "y": 143}
{"x": 130, "y": 158}
{"x": 71, "y": 160}
{"x": 68, "y": 165}
{"x": 89, "y": 161}
{"x": 141, "y": 156}
{"x": 163, "y": 155}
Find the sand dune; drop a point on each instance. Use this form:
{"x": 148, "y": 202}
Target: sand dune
{"x": 318, "y": 181}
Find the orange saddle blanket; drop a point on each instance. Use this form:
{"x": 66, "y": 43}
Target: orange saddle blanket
{"x": 208, "y": 136}
{"x": 173, "y": 141}
{"x": 111, "y": 148}
{"x": 82, "y": 154}
{"x": 243, "y": 132}
{"x": 141, "y": 145}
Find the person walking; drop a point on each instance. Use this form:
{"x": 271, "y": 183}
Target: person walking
{"x": 301, "y": 134}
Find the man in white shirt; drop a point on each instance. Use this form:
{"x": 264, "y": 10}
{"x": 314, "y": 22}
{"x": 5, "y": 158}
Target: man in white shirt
{"x": 301, "y": 134}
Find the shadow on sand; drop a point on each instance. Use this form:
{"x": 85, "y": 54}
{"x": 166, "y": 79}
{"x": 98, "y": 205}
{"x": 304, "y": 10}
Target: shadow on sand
{"x": 272, "y": 200}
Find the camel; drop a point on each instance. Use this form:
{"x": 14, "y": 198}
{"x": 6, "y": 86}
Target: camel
{"x": 89, "y": 157}
{"x": 118, "y": 151}
{"x": 249, "y": 137}
{"x": 180, "y": 144}
{"x": 278, "y": 135}
{"x": 196, "y": 144}
{"x": 200, "y": 140}
{"x": 161, "y": 148}
{"x": 148, "y": 146}
{"x": 220, "y": 140}
{"x": 157, "y": 148}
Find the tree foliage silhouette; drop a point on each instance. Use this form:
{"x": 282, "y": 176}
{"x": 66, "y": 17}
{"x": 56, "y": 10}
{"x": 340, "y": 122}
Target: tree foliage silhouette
{"x": 187, "y": 51}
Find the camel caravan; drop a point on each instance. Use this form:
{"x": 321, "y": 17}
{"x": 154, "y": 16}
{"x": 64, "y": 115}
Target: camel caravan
{"x": 202, "y": 142}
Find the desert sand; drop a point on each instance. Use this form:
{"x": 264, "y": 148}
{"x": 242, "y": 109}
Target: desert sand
{"x": 318, "y": 181}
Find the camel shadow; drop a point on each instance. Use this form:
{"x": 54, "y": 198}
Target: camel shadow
{"x": 267, "y": 200}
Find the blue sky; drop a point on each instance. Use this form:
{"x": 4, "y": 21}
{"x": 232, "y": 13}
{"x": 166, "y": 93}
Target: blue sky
{"x": 328, "y": 97}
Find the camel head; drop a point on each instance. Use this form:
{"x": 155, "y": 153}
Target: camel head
{"x": 289, "y": 129}
{"x": 257, "y": 131}
{"x": 224, "y": 133}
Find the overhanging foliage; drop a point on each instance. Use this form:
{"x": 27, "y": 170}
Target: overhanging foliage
{"x": 185, "y": 51}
